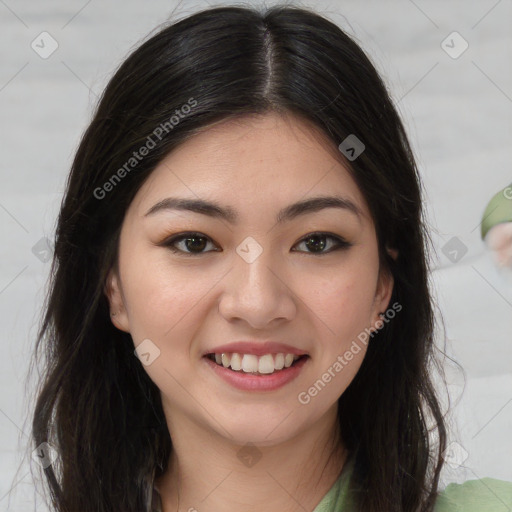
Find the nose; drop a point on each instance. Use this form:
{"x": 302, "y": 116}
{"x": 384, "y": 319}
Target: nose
{"x": 257, "y": 293}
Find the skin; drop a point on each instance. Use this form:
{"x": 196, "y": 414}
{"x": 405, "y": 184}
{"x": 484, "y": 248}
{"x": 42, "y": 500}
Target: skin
{"x": 499, "y": 240}
{"x": 187, "y": 304}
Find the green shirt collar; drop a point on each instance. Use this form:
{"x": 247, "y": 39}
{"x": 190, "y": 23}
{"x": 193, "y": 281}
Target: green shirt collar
{"x": 337, "y": 498}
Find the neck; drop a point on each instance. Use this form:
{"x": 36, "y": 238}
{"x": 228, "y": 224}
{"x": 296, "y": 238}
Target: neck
{"x": 207, "y": 471}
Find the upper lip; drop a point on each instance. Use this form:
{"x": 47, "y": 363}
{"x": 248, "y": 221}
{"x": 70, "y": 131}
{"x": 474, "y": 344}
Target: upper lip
{"x": 257, "y": 348}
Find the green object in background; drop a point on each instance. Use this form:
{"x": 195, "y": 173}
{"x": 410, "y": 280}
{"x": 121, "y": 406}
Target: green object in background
{"x": 498, "y": 210}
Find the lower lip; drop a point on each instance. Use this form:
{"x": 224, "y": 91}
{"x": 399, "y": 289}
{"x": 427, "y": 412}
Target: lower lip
{"x": 248, "y": 382}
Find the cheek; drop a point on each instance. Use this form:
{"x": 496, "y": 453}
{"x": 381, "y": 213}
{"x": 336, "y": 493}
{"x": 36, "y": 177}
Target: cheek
{"x": 167, "y": 310}
{"x": 161, "y": 299}
{"x": 344, "y": 300}
{"x": 342, "y": 309}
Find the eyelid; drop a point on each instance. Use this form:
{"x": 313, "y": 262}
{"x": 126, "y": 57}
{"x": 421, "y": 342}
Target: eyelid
{"x": 168, "y": 242}
{"x": 340, "y": 242}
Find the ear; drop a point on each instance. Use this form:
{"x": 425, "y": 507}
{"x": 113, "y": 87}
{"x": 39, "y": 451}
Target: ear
{"x": 392, "y": 252}
{"x": 115, "y": 298}
{"x": 383, "y": 293}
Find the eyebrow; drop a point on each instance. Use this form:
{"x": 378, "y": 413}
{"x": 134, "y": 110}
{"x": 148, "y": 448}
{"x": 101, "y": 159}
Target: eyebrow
{"x": 215, "y": 210}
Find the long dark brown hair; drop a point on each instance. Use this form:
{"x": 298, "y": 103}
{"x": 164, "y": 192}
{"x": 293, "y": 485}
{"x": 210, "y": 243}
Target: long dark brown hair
{"x": 96, "y": 405}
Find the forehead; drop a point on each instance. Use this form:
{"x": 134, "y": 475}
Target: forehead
{"x": 253, "y": 161}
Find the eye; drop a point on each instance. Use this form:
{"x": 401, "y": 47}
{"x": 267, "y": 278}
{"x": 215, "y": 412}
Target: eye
{"x": 318, "y": 241}
{"x": 191, "y": 243}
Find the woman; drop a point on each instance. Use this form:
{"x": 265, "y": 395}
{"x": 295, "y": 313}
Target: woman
{"x": 239, "y": 314}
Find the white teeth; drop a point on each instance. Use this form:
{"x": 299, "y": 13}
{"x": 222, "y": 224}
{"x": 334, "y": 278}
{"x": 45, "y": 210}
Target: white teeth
{"x": 279, "y": 363}
{"x": 266, "y": 364}
{"x": 250, "y": 363}
{"x": 236, "y": 362}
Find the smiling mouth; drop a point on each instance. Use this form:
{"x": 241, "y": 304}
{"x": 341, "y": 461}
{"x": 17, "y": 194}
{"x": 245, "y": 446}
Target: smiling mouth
{"x": 267, "y": 364}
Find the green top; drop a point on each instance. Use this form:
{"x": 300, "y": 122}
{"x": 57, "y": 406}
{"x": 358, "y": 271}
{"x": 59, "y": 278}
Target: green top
{"x": 485, "y": 495}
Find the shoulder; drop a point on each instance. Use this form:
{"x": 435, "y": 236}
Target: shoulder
{"x": 484, "y": 495}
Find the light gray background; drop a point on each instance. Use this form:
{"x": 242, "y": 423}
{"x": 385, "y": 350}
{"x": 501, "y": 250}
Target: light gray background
{"x": 458, "y": 115}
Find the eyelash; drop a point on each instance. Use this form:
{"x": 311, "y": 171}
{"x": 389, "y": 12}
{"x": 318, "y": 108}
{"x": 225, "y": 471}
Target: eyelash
{"x": 340, "y": 243}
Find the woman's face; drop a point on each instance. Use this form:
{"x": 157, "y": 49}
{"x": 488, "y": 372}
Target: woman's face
{"x": 251, "y": 276}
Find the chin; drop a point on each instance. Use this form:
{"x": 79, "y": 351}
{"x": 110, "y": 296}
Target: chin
{"x": 260, "y": 429}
